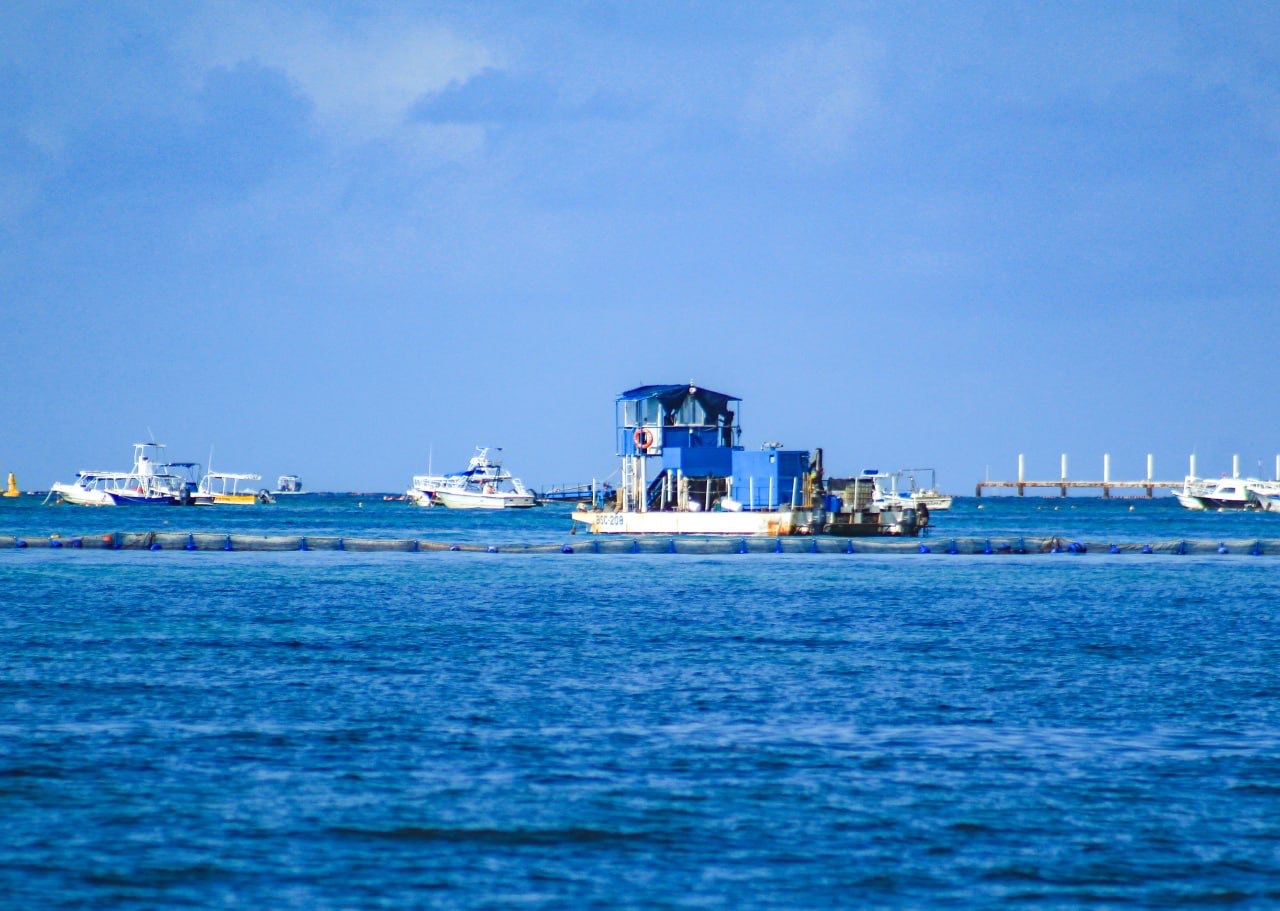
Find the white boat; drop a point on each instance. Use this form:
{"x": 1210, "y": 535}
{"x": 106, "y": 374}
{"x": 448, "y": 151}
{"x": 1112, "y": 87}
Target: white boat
{"x": 485, "y": 484}
{"x": 223, "y": 488}
{"x": 1219, "y": 493}
{"x": 928, "y": 495}
{"x": 288, "y": 485}
{"x": 1267, "y": 494}
{"x": 90, "y": 488}
{"x": 888, "y": 496}
{"x": 149, "y": 482}
{"x": 1271, "y": 502}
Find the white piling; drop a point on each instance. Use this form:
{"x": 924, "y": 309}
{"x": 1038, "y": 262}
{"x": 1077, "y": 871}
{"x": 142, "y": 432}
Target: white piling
{"x": 1064, "y": 466}
{"x": 1192, "y": 472}
{"x": 1151, "y": 467}
{"x": 1235, "y": 465}
{"x": 1278, "y": 468}
{"x": 1106, "y": 468}
{"x": 1022, "y": 467}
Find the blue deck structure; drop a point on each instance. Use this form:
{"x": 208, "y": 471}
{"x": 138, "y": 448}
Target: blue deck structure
{"x": 681, "y": 417}
{"x": 681, "y": 449}
{"x": 768, "y": 479}
{"x": 685, "y": 472}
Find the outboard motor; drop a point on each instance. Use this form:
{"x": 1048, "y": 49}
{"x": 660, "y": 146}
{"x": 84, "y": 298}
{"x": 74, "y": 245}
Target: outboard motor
{"x": 907, "y": 526}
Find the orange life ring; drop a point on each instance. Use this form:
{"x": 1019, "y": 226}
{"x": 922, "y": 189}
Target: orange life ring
{"x": 643, "y": 438}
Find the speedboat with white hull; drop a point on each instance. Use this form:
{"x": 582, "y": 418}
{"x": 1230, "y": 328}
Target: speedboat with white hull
{"x": 1268, "y": 494}
{"x": 149, "y": 482}
{"x": 1218, "y": 493}
{"x": 915, "y": 496}
{"x": 485, "y": 484}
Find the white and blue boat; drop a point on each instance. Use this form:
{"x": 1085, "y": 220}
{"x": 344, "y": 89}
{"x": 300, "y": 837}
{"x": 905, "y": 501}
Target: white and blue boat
{"x": 1219, "y": 493}
{"x": 684, "y": 471}
{"x": 484, "y": 484}
{"x": 150, "y": 482}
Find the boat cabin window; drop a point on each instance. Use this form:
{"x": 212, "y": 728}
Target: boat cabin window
{"x": 641, "y": 412}
{"x": 691, "y": 412}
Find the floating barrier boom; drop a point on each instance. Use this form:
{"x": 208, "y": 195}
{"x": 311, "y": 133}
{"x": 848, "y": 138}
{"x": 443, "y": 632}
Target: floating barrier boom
{"x": 648, "y": 544}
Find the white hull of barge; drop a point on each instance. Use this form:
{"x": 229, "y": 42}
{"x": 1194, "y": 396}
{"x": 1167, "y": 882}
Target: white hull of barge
{"x": 767, "y": 523}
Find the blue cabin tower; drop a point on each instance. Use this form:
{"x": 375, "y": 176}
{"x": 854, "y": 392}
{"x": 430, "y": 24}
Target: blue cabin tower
{"x": 681, "y": 451}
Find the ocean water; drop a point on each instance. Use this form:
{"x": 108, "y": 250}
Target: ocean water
{"x": 370, "y": 515}
{"x": 353, "y": 730}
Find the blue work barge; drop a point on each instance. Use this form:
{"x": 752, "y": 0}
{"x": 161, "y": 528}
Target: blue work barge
{"x": 684, "y": 471}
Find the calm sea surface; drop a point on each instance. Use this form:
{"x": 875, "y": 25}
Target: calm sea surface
{"x": 353, "y": 730}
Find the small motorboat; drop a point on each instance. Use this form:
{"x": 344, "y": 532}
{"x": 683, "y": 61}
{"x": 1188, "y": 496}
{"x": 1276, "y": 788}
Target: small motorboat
{"x": 222, "y": 488}
{"x": 485, "y": 484}
{"x": 1218, "y": 493}
{"x": 149, "y": 482}
{"x": 1267, "y": 494}
{"x": 888, "y": 496}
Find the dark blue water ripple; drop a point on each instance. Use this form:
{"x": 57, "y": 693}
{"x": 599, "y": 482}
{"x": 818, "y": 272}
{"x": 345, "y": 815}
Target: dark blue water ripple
{"x": 354, "y": 730}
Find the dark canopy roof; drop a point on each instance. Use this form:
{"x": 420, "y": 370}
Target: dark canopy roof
{"x": 672, "y": 395}
{"x": 686, "y": 404}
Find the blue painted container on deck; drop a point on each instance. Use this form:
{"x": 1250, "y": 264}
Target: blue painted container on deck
{"x": 766, "y": 479}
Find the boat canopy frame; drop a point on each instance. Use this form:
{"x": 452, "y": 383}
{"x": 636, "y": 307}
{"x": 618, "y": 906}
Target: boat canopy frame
{"x": 686, "y": 405}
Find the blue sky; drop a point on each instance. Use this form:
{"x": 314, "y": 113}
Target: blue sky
{"x": 323, "y": 238}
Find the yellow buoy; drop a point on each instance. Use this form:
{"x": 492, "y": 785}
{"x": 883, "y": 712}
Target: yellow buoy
{"x": 12, "y": 490}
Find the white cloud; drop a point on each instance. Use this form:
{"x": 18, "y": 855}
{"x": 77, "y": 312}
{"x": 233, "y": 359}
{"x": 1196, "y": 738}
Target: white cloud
{"x": 362, "y": 76}
{"x": 812, "y": 96}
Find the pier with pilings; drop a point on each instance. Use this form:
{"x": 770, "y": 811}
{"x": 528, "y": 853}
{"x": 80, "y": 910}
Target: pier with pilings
{"x": 1064, "y": 484}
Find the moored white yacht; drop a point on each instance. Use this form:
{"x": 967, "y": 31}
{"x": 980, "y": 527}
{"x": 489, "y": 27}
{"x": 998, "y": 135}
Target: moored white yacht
{"x": 888, "y": 496}
{"x": 1219, "y": 493}
{"x": 1271, "y": 502}
{"x": 485, "y": 484}
{"x": 1267, "y": 494}
{"x": 147, "y": 483}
